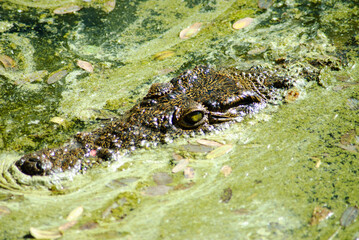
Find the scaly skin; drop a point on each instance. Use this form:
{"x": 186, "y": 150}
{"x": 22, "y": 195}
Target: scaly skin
{"x": 197, "y": 101}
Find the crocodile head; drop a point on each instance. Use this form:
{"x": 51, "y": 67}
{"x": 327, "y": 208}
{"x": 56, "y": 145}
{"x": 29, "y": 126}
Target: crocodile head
{"x": 197, "y": 101}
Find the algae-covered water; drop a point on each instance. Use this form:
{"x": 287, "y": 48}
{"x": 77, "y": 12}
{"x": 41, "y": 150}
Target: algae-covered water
{"x": 292, "y": 169}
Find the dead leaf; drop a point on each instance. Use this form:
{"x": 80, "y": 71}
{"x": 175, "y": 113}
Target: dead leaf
{"x": 45, "y": 234}
{"x": 182, "y": 164}
{"x": 75, "y": 214}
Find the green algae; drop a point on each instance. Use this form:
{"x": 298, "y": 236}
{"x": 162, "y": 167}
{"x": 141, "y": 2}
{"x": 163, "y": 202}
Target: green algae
{"x": 274, "y": 181}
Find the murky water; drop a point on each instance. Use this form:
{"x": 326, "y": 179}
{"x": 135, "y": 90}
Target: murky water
{"x": 285, "y": 161}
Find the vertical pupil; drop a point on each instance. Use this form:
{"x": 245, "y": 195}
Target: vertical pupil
{"x": 194, "y": 117}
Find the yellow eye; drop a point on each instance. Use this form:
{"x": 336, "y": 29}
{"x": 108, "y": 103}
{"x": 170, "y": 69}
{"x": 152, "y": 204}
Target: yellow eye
{"x": 193, "y": 117}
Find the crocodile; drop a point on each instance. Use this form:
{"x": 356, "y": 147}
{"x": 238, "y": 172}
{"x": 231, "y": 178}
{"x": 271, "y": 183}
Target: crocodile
{"x": 197, "y": 101}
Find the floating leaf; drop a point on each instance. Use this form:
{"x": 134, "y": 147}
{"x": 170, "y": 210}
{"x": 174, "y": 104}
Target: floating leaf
{"x": 197, "y": 148}
{"x": 219, "y": 151}
{"x": 162, "y": 178}
{"x": 7, "y": 61}
{"x": 226, "y": 170}
{"x": 190, "y": 31}
{"x": 319, "y": 214}
{"x": 209, "y": 143}
{"x": 45, "y": 234}
{"x": 109, "y": 6}
{"x": 75, "y": 214}
{"x": 85, "y": 65}
{"x": 56, "y": 76}
{"x": 242, "y": 23}
{"x": 68, "y": 9}
{"x": 349, "y": 215}
{"x": 157, "y": 190}
{"x": 163, "y": 55}
{"x": 188, "y": 172}
{"x": 182, "y": 164}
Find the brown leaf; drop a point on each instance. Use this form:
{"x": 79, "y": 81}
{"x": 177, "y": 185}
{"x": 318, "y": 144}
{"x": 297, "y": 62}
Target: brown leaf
{"x": 85, "y": 66}
{"x": 226, "y": 170}
{"x": 319, "y": 214}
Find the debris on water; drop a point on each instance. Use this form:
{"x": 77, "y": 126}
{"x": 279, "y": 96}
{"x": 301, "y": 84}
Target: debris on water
{"x": 162, "y": 178}
{"x": 68, "y": 9}
{"x": 75, "y": 214}
{"x": 190, "y": 31}
{"x": 7, "y": 61}
{"x": 242, "y": 23}
{"x": 177, "y": 157}
{"x": 181, "y": 165}
{"x": 241, "y": 211}
{"x": 226, "y": 170}
{"x": 4, "y": 210}
{"x": 67, "y": 225}
{"x": 209, "y": 143}
{"x": 348, "y": 137}
{"x": 56, "y": 76}
{"x": 292, "y": 95}
{"x": 45, "y": 234}
{"x": 224, "y": 149}
{"x": 265, "y": 4}
{"x": 183, "y": 186}
{"x": 89, "y": 225}
{"x": 157, "y": 190}
{"x": 60, "y": 121}
{"x": 349, "y": 215}
{"x": 353, "y": 104}
{"x": 32, "y": 77}
{"x": 163, "y": 55}
{"x": 121, "y": 182}
{"x": 319, "y": 214}
{"x": 226, "y": 195}
{"x": 85, "y": 66}
{"x": 188, "y": 172}
{"x": 190, "y": 147}
{"x": 109, "y": 6}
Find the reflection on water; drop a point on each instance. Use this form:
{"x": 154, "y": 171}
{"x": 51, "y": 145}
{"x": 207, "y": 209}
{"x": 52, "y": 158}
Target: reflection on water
{"x": 285, "y": 161}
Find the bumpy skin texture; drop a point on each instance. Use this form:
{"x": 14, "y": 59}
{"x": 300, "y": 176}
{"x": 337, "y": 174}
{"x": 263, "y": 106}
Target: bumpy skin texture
{"x": 197, "y": 101}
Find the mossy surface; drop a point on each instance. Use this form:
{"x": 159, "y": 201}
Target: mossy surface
{"x": 285, "y": 161}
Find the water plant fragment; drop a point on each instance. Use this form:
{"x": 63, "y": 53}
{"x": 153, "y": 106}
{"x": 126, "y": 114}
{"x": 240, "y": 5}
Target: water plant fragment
{"x": 190, "y": 31}
{"x": 242, "y": 23}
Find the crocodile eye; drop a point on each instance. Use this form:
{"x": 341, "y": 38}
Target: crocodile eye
{"x": 191, "y": 117}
